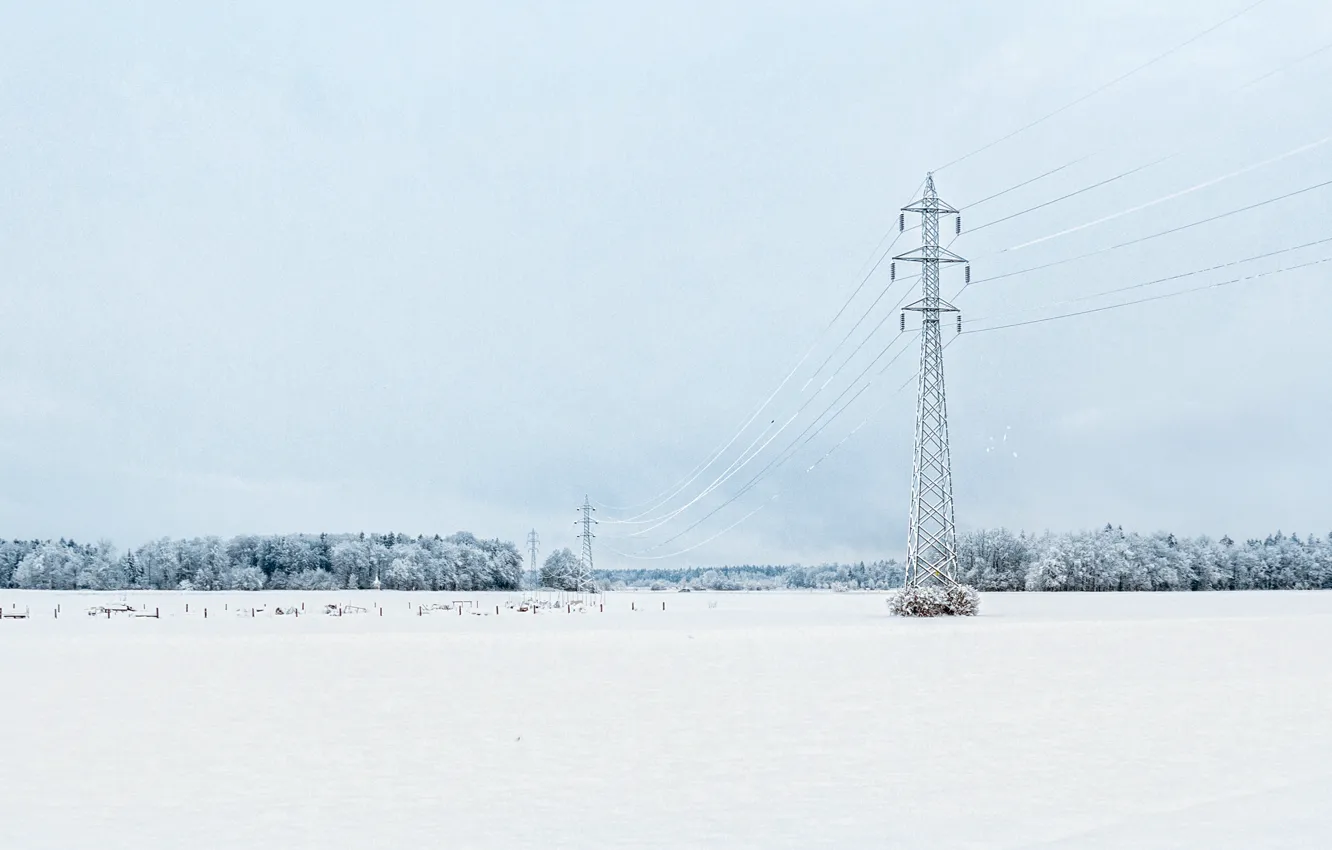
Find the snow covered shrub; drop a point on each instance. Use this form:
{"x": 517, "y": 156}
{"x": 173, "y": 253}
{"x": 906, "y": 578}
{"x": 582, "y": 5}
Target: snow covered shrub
{"x": 917, "y": 602}
{"x": 962, "y": 601}
{"x": 954, "y": 601}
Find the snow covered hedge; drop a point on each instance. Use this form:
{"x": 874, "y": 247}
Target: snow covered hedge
{"x": 956, "y": 601}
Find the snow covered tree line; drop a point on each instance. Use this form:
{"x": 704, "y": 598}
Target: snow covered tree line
{"x": 879, "y": 575}
{"x": 994, "y": 560}
{"x": 1112, "y": 559}
{"x": 279, "y": 562}
{"x": 990, "y": 560}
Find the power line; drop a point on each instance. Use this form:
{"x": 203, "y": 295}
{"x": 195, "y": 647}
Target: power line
{"x": 1158, "y": 280}
{"x": 672, "y": 492}
{"x": 989, "y": 198}
{"x": 1172, "y": 196}
{"x": 775, "y": 496}
{"x": 1150, "y": 298}
{"x": 782, "y": 457}
{"x": 734, "y": 469}
{"x": 727, "y": 474}
{"x": 1311, "y": 54}
{"x": 1158, "y": 234}
{"x": 1104, "y": 86}
{"x": 697, "y": 545}
{"x": 1074, "y": 194}
{"x": 747, "y": 456}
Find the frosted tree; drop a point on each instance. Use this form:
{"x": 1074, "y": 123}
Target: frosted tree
{"x": 351, "y": 563}
{"x": 410, "y": 570}
{"x": 560, "y": 570}
{"x": 101, "y": 569}
{"x": 50, "y": 566}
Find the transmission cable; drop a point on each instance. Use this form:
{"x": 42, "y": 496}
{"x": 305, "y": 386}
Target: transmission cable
{"x": 1311, "y": 54}
{"x": 1156, "y": 235}
{"x": 744, "y": 460}
{"x": 671, "y": 493}
{"x": 1102, "y": 87}
{"x": 781, "y": 458}
{"x": 1158, "y": 280}
{"x": 1195, "y": 188}
{"x": 1151, "y": 298}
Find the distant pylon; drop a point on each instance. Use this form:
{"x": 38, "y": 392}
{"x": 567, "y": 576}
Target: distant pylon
{"x": 932, "y": 529}
{"x": 583, "y": 576}
{"x": 533, "y": 541}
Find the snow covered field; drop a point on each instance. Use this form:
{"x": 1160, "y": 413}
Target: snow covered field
{"x": 769, "y": 720}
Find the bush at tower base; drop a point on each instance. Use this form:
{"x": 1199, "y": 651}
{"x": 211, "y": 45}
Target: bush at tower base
{"x": 956, "y": 600}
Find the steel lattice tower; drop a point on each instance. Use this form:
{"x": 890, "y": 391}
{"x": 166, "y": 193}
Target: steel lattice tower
{"x": 583, "y": 578}
{"x": 533, "y": 541}
{"x": 932, "y": 531}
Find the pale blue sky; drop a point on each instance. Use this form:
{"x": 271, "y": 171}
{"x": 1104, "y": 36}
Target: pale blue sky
{"x": 423, "y": 267}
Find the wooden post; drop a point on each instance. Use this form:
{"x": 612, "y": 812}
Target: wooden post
{"x": 663, "y": 606}
{"x": 157, "y": 612}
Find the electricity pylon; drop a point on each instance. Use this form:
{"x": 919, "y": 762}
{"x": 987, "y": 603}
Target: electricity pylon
{"x": 583, "y": 575}
{"x": 533, "y": 541}
{"x": 932, "y": 530}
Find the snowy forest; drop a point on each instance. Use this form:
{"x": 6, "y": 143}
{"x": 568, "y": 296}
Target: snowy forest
{"x": 991, "y": 560}
{"x": 279, "y": 562}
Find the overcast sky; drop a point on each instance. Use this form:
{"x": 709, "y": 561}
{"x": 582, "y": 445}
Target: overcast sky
{"x": 279, "y": 267}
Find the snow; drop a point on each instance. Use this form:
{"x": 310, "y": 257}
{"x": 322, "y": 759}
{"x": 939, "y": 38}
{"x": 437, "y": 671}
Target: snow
{"x": 768, "y": 720}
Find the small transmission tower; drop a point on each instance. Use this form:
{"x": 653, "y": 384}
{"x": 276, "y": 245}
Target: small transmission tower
{"x": 533, "y": 542}
{"x": 932, "y": 532}
{"x": 583, "y": 577}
